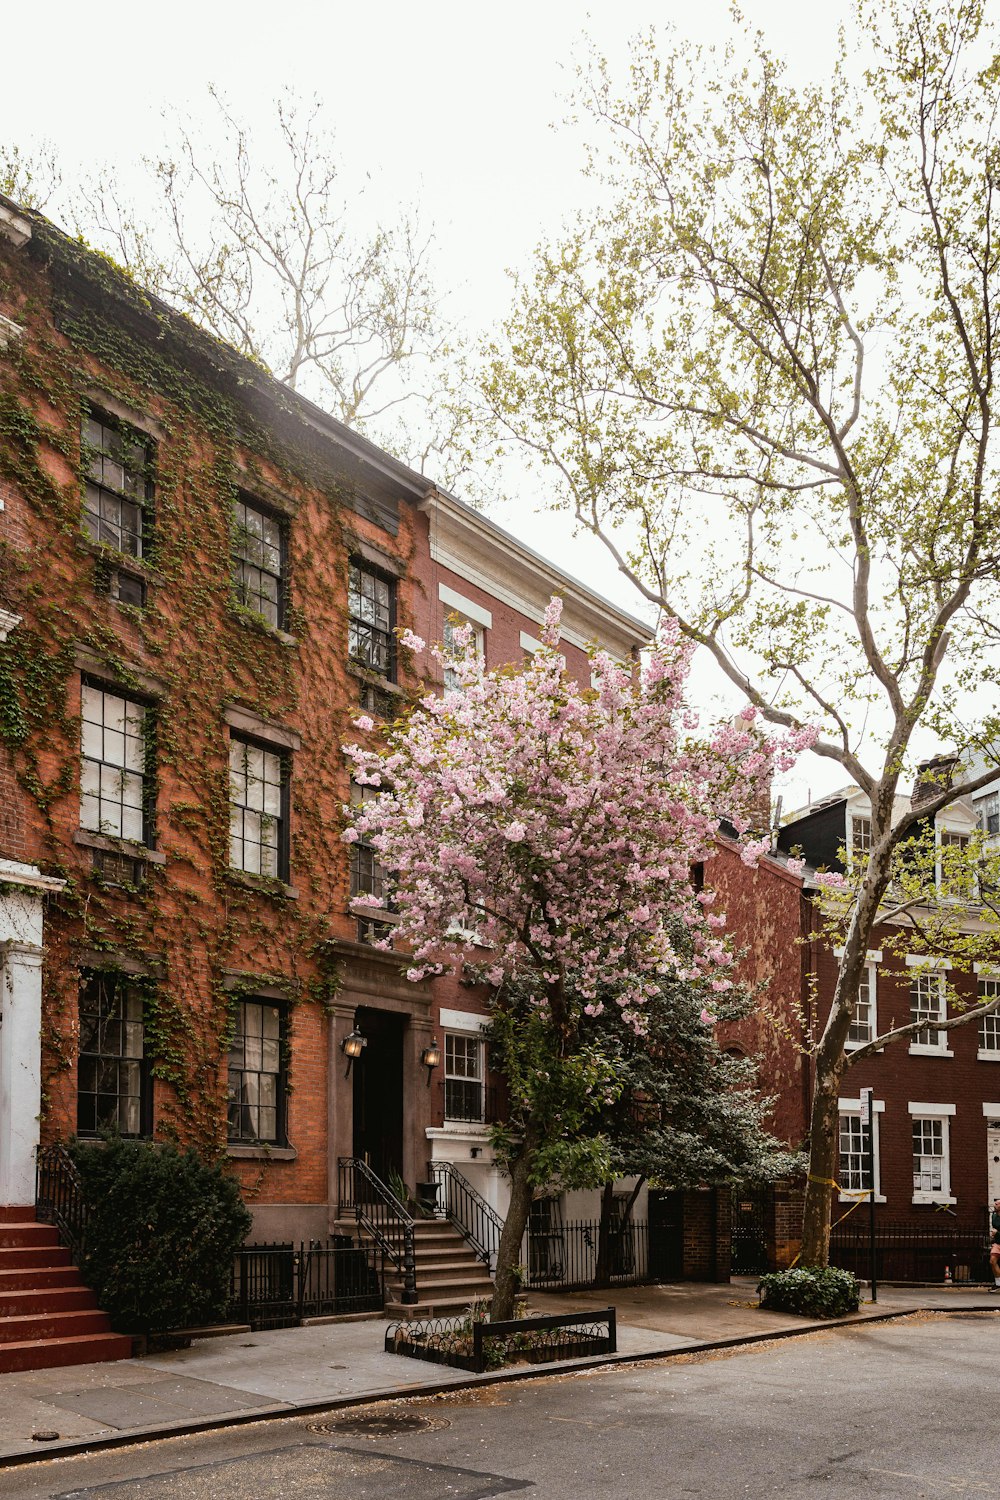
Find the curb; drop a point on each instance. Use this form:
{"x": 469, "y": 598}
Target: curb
{"x": 218, "y": 1422}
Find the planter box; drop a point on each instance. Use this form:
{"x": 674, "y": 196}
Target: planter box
{"x": 480, "y": 1346}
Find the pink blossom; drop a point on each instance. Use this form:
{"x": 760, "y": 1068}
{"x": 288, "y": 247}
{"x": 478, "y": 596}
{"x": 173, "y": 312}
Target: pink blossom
{"x": 515, "y": 833}
{"x": 349, "y": 836}
{"x": 707, "y": 1019}
{"x": 410, "y": 641}
{"x": 364, "y": 723}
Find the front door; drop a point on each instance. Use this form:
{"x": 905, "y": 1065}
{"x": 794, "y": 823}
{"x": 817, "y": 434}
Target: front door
{"x": 993, "y": 1159}
{"x": 666, "y": 1235}
{"x": 378, "y": 1093}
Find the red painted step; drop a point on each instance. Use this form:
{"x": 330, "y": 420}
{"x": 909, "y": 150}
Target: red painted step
{"x": 49, "y": 1354}
{"x": 12, "y": 1214}
{"x": 38, "y": 1276}
{"x": 46, "y": 1299}
{"x": 12, "y": 1259}
{"x": 25, "y": 1236}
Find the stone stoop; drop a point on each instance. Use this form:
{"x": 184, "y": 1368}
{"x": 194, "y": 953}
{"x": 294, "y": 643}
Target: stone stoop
{"x": 48, "y": 1317}
{"x": 450, "y": 1274}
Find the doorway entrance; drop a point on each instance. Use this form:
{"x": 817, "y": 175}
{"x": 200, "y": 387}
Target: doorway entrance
{"x": 992, "y": 1160}
{"x": 378, "y": 1092}
{"x": 666, "y": 1235}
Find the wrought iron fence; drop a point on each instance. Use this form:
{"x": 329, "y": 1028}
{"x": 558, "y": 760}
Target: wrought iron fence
{"x": 276, "y": 1286}
{"x": 480, "y": 1224}
{"x": 564, "y": 1257}
{"x": 59, "y": 1196}
{"x": 381, "y": 1215}
{"x": 469, "y": 1101}
{"x": 944, "y": 1247}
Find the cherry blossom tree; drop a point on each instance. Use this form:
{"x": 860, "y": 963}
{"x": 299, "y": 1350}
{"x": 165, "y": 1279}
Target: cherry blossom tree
{"x": 551, "y": 829}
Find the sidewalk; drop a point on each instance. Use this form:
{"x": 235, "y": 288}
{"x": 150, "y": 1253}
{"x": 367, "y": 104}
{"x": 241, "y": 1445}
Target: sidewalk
{"x": 240, "y": 1376}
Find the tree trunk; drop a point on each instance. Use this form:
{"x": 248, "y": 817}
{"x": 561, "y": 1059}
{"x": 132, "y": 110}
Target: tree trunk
{"x": 602, "y": 1272}
{"x": 507, "y": 1281}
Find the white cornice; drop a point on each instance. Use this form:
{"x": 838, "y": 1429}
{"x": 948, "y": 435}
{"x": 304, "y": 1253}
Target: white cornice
{"x": 14, "y": 873}
{"x": 8, "y": 622}
{"x": 13, "y": 226}
{"x": 468, "y": 544}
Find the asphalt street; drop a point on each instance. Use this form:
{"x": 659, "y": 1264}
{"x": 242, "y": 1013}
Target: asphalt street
{"x": 902, "y": 1409}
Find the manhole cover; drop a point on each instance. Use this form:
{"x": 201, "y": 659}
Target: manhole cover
{"x": 384, "y": 1425}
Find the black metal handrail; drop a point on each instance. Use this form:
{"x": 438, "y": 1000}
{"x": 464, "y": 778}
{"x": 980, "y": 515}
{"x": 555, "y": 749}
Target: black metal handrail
{"x": 59, "y": 1197}
{"x": 471, "y": 1215}
{"x": 379, "y": 1212}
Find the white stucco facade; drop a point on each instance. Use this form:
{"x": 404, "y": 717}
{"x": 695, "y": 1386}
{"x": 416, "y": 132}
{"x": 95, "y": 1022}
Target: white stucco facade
{"x": 22, "y": 892}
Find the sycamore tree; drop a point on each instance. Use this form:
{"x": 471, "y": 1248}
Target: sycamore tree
{"x": 551, "y": 829}
{"x": 763, "y": 375}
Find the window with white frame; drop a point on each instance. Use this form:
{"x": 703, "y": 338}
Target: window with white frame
{"x": 464, "y": 1097}
{"x": 861, "y": 839}
{"x": 258, "y": 544}
{"x": 954, "y": 878}
{"x": 853, "y": 1174}
{"x": 863, "y": 1021}
{"x": 118, "y": 482}
{"x": 987, "y": 810}
{"x": 989, "y": 1026}
{"x": 114, "y": 779}
{"x": 927, "y": 1003}
{"x": 931, "y": 1161}
{"x": 478, "y": 640}
{"x": 258, "y": 809}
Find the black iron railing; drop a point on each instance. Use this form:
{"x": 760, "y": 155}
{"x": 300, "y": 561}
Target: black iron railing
{"x": 276, "y": 1286}
{"x": 466, "y": 1101}
{"x": 381, "y": 1215}
{"x": 565, "y": 1257}
{"x": 943, "y": 1247}
{"x": 471, "y": 1215}
{"x": 59, "y": 1197}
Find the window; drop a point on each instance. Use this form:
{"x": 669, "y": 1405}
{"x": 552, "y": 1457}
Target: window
{"x": 259, "y": 560}
{"x": 112, "y": 1085}
{"x": 931, "y": 1166}
{"x": 853, "y": 1174}
{"x": 546, "y": 1251}
{"x": 371, "y": 608}
{"x": 989, "y": 1026}
{"x": 863, "y": 1023}
{"x": 463, "y": 1077}
{"x": 114, "y": 781}
{"x": 118, "y": 483}
{"x": 258, "y": 809}
{"x": 987, "y": 811}
{"x": 954, "y": 877}
{"x": 861, "y": 839}
{"x": 368, "y": 878}
{"x": 451, "y": 624}
{"x": 927, "y": 1003}
{"x": 257, "y": 1081}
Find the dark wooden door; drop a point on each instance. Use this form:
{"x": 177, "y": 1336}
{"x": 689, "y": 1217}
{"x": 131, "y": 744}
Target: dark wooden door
{"x": 378, "y": 1093}
{"x": 666, "y": 1235}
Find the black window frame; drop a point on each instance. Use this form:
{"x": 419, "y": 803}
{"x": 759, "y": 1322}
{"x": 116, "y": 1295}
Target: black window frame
{"x": 145, "y": 504}
{"x": 357, "y": 625}
{"x": 250, "y": 501}
{"x": 149, "y": 787}
{"x": 283, "y": 847}
{"x": 240, "y": 1033}
{"x": 90, "y": 1124}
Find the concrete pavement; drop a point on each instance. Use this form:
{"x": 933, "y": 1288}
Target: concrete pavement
{"x": 244, "y": 1376}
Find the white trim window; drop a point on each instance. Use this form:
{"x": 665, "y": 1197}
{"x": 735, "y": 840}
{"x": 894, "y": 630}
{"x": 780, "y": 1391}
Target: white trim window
{"x": 861, "y": 840}
{"x": 853, "y": 1133}
{"x": 928, "y": 1002}
{"x": 987, "y": 811}
{"x": 864, "y": 1022}
{"x": 931, "y": 1152}
{"x": 989, "y": 1026}
{"x": 956, "y": 882}
{"x": 115, "y": 783}
{"x": 454, "y": 622}
{"x": 464, "y": 1094}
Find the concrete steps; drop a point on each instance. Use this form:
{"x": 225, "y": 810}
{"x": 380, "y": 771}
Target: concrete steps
{"x": 48, "y": 1317}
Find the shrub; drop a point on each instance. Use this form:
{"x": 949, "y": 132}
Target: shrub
{"x": 162, "y": 1230}
{"x": 813, "y": 1291}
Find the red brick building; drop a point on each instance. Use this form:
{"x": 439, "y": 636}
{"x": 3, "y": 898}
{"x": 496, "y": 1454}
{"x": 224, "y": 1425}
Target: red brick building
{"x": 202, "y": 578}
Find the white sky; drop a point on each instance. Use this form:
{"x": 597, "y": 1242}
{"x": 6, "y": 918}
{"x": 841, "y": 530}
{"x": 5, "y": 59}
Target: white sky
{"x": 446, "y": 105}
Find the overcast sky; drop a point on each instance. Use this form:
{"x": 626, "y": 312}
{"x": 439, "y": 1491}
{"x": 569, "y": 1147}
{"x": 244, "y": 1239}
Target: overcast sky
{"x": 449, "y": 106}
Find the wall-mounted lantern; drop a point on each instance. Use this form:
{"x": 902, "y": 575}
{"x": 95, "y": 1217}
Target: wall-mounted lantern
{"x": 431, "y": 1058}
{"x": 352, "y": 1046}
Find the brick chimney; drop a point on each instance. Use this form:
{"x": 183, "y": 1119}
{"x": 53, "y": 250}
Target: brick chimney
{"x": 934, "y": 775}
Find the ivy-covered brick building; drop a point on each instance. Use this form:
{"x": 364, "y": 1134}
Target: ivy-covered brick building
{"x": 202, "y": 577}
